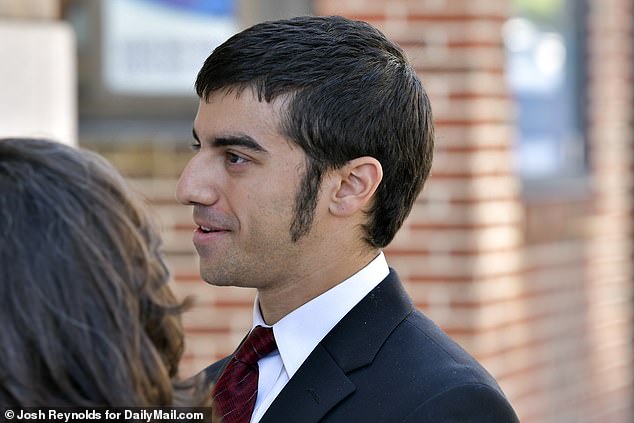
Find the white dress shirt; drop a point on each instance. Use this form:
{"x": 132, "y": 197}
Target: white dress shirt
{"x": 299, "y": 332}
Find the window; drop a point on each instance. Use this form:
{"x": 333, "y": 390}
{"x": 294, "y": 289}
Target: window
{"x": 545, "y": 69}
{"x": 138, "y": 59}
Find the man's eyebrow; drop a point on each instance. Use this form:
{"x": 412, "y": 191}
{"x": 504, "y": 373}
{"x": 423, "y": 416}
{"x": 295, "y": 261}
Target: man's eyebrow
{"x": 240, "y": 140}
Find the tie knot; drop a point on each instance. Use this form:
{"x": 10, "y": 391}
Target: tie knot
{"x": 258, "y": 344}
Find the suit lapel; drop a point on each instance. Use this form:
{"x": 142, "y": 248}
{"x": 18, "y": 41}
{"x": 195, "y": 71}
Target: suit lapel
{"x": 317, "y": 387}
{"x": 322, "y": 382}
{"x": 358, "y": 337}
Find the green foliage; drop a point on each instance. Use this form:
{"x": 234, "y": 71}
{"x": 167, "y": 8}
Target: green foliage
{"x": 539, "y": 10}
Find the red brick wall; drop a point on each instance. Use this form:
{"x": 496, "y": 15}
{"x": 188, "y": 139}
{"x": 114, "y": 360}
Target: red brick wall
{"x": 609, "y": 328}
{"x": 539, "y": 290}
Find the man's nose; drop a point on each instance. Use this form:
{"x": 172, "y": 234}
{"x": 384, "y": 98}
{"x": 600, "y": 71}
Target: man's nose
{"x": 195, "y": 185}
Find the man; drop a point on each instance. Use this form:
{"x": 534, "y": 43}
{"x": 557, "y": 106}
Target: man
{"x": 314, "y": 137}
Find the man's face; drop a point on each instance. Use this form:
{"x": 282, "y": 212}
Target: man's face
{"x": 242, "y": 182}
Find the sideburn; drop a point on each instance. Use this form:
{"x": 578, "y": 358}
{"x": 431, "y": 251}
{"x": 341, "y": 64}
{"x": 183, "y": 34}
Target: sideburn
{"x": 306, "y": 201}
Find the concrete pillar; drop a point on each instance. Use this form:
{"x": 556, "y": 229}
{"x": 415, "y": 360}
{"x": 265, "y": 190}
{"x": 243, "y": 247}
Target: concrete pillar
{"x": 37, "y": 72}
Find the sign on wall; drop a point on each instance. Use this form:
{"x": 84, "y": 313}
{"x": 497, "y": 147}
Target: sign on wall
{"x": 156, "y": 47}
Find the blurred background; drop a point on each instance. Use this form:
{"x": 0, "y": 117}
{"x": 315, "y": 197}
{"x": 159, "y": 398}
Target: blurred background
{"x": 520, "y": 246}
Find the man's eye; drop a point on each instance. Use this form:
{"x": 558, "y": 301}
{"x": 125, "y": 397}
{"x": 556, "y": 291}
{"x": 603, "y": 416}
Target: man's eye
{"x": 235, "y": 159}
{"x": 195, "y": 146}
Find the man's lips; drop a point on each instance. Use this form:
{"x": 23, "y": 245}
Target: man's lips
{"x": 211, "y": 221}
{"x": 204, "y": 235}
{"x": 209, "y": 229}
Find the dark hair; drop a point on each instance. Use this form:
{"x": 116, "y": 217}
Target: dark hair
{"x": 351, "y": 93}
{"x": 87, "y": 316}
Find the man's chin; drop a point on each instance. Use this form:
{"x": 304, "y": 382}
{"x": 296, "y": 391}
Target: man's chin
{"x": 213, "y": 279}
{"x": 216, "y": 282}
{"x": 218, "y": 279}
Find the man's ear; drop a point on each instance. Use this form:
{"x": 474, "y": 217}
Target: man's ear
{"x": 357, "y": 181}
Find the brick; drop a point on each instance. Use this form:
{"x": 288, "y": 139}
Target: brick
{"x": 476, "y": 162}
{"x": 478, "y": 189}
{"x": 479, "y": 214}
{"x": 478, "y": 240}
{"x": 427, "y": 10}
{"x": 210, "y": 318}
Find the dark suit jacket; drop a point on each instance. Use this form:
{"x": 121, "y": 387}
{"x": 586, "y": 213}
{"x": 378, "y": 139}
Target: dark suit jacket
{"x": 386, "y": 362}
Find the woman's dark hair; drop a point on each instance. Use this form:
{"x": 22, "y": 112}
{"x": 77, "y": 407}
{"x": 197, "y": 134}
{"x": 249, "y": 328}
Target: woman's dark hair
{"x": 351, "y": 93}
{"x": 87, "y": 316}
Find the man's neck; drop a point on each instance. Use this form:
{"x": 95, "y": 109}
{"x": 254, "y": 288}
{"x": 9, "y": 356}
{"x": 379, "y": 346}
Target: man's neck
{"x": 277, "y": 302}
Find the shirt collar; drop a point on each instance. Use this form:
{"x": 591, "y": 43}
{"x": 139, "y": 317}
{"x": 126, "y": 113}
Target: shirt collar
{"x": 299, "y": 332}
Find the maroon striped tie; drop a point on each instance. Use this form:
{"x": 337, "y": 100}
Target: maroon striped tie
{"x": 237, "y": 389}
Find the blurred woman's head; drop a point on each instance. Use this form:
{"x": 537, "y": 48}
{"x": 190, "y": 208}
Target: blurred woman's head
{"x": 87, "y": 316}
